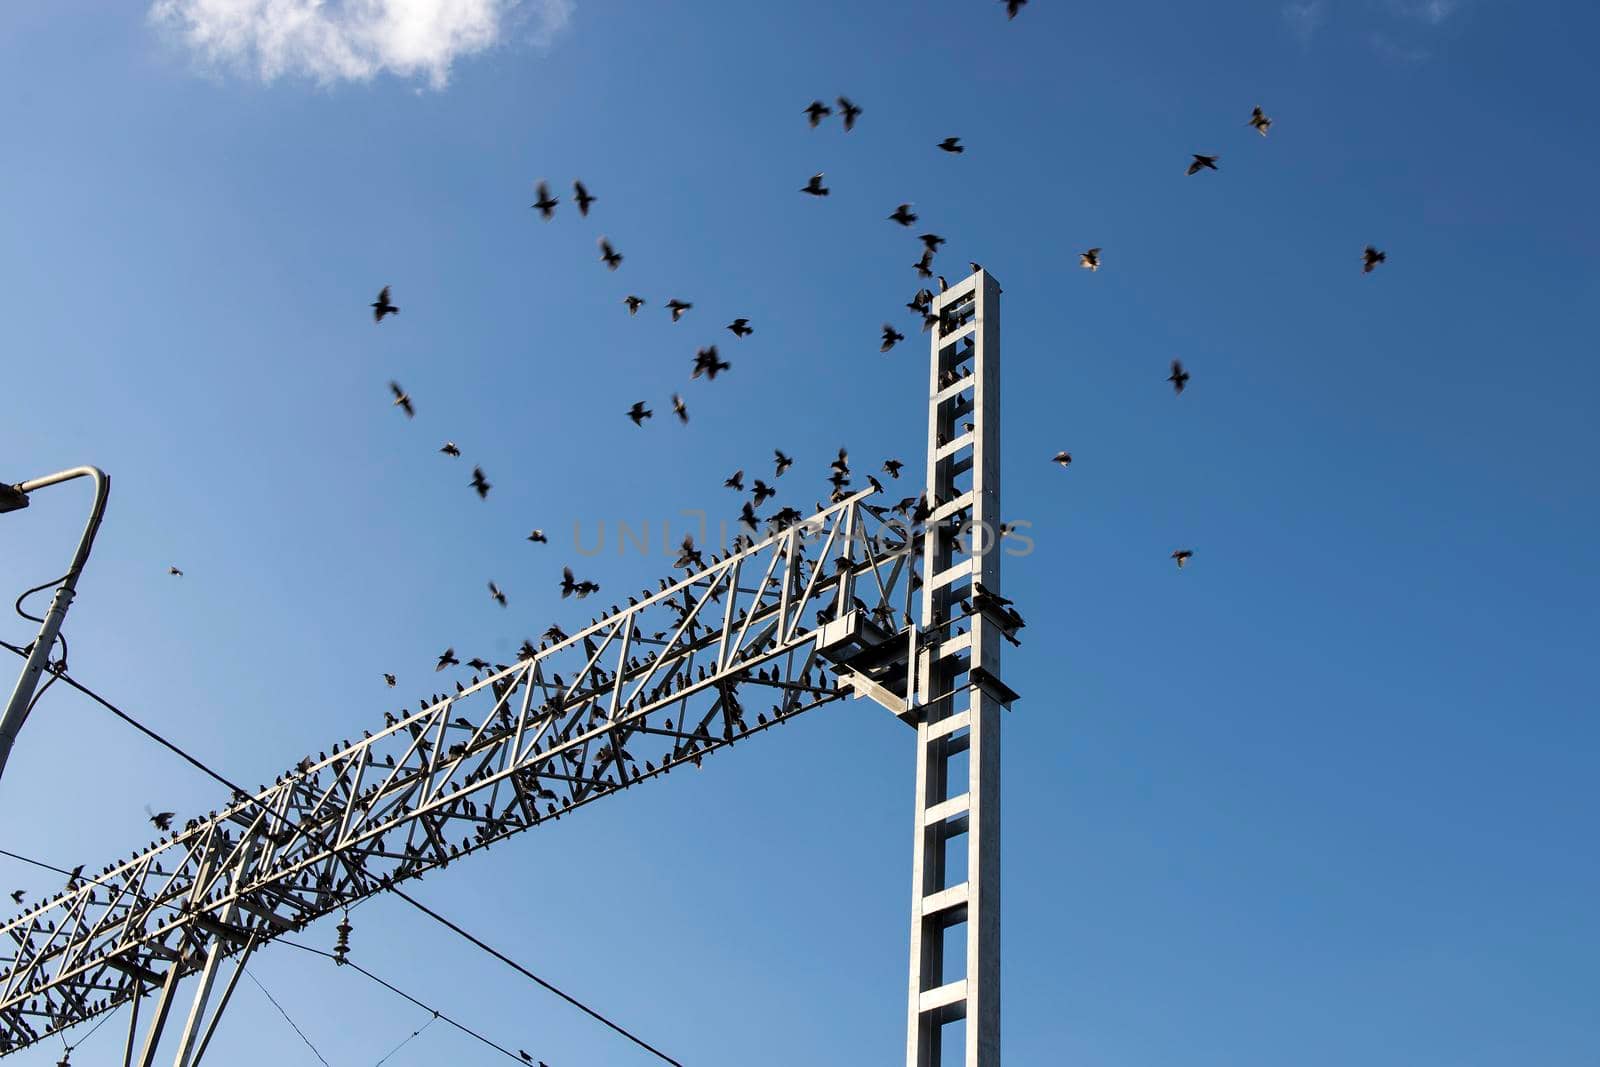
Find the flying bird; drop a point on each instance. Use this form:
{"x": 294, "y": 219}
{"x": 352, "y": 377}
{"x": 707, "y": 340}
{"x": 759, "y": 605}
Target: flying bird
{"x": 903, "y": 215}
{"x": 402, "y": 400}
{"x": 815, "y": 186}
{"x": 1063, "y": 457}
{"x": 16, "y": 897}
{"x": 546, "y": 203}
{"x": 1182, "y": 556}
{"x": 478, "y": 663}
{"x": 538, "y": 537}
{"x": 924, "y": 266}
{"x": 175, "y": 572}
{"x": 609, "y": 256}
{"x": 634, "y": 303}
{"x": 1371, "y": 258}
{"x": 679, "y": 409}
{"x": 1090, "y": 260}
{"x": 638, "y": 413}
{"x": 382, "y": 307}
{"x": 678, "y": 307}
{"x": 581, "y": 195}
{"x": 850, "y": 113}
{"x": 1179, "y": 377}
{"x": 707, "y": 363}
{"x": 1259, "y": 121}
{"x": 1012, "y": 7}
{"x": 689, "y": 556}
{"x": 735, "y": 481}
{"x": 741, "y": 327}
{"x": 1203, "y": 162}
{"x": 161, "y": 820}
{"x": 891, "y": 337}
{"x": 570, "y": 586}
{"x": 763, "y": 492}
{"x": 931, "y": 241}
{"x": 781, "y": 461}
{"x": 480, "y": 483}
{"x": 447, "y": 658}
{"x": 952, "y": 145}
{"x": 891, "y": 467}
{"x": 388, "y": 679}
{"x": 450, "y": 449}
{"x": 496, "y": 595}
{"x": 816, "y": 111}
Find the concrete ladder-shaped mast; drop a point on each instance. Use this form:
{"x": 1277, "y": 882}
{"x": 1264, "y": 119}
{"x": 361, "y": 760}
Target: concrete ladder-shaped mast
{"x": 956, "y": 855}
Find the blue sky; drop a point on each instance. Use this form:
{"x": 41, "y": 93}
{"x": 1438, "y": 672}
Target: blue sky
{"x": 1325, "y": 797}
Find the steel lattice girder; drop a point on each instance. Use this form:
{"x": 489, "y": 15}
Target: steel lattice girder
{"x": 664, "y": 681}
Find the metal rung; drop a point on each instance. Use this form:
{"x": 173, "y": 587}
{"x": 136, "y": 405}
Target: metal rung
{"x": 947, "y": 726}
{"x": 946, "y": 809}
{"x": 955, "y": 445}
{"x": 950, "y": 507}
{"x": 951, "y": 575}
{"x": 960, "y": 385}
{"x": 944, "y": 998}
{"x": 952, "y": 646}
{"x": 945, "y": 900}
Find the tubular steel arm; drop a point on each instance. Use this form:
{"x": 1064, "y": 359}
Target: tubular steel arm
{"x": 703, "y": 662}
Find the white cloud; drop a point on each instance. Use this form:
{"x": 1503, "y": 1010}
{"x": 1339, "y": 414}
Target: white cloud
{"x": 1430, "y": 11}
{"x": 1305, "y": 17}
{"x": 352, "y": 40}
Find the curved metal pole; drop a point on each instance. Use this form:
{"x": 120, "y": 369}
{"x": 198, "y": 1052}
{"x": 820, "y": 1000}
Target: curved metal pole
{"x": 17, "y": 708}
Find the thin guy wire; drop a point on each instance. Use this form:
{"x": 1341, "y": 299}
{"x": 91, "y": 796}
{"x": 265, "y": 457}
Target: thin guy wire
{"x": 414, "y": 1034}
{"x": 514, "y": 965}
{"x": 286, "y": 1018}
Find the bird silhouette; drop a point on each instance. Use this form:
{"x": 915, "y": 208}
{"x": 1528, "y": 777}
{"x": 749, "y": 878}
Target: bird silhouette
{"x": 581, "y": 195}
{"x": 763, "y": 492}
{"x": 850, "y": 113}
{"x": 952, "y": 145}
{"x": 1182, "y": 556}
{"x": 1179, "y": 377}
{"x": 161, "y": 820}
{"x": 707, "y": 363}
{"x": 450, "y": 449}
{"x": 1371, "y": 258}
{"x": 735, "y": 481}
{"x": 175, "y": 572}
{"x": 402, "y": 400}
{"x": 1259, "y": 121}
{"x": 1012, "y": 7}
{"x": 609, "y": 256}
{"x": 1063, "y": 457}
{"x": 816, "y": 111}
{"x": 382, "y": 306}
{"x": 679, "y": 409}
{"x": 689, "y": 556}
{"x": 634, "y": 303}
{"x": 924, "y": 266}
{"x": 931, "y": 241}
{"x": 903, "y": 215}
{"x": 447, "y": 658}
{"x": 638, "y": 413}
{"x": 388, "y": 680}
{"x": 741, "y": 327}
{"x": 815, "y": 187}
{"x": 498, "y": 597}
{"x": 571, "y": 586}
{"x": 891, "y": 337}
{"x": 1203, "y": 162}
{"x": 546, "y": 204}
{"x": 478, "y": 663}
{"x": 891, "y": 467}
{"x": 781, "y": 462}
{"x": 16, "y": 896}
{"x": 1090, "y": 260}
{"x": 678, "y": 307}
{"x": 480, "y": 483}
{"x": 538, "y": 537}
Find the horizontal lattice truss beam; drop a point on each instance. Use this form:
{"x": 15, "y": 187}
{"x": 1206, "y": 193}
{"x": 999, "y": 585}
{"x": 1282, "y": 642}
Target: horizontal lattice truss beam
{"x": 707, "y": 660}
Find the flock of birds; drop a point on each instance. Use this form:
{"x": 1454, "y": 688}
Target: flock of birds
{"x": 709, "y": 364}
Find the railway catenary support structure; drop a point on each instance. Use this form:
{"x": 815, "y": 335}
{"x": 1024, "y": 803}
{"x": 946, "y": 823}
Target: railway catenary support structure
{"x": 859, "y": 599}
